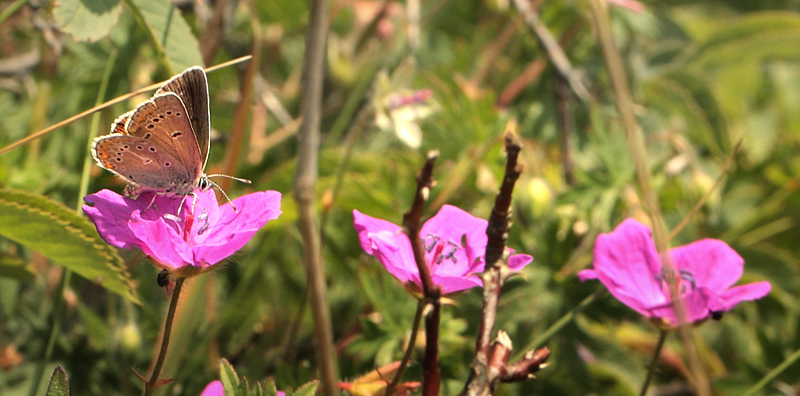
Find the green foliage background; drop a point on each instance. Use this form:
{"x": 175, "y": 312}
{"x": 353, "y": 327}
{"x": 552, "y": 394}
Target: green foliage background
{"x": 705, "y": 75}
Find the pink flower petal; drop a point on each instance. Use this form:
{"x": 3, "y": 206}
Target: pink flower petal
{"x": 452, "y": 284}
{"x": 200, "y": 235}
{"x": 517, "y": 261}
{"x": 214, "y": 388}
{"x": 454, "y": 225}
{"x": 748, "y": 292}
{"x": 627, "y": 263}
{"x": 454, "y": 243}
{"x": 160, "y": 241}
{"x": 712, "y": 263}
{"x": 365, "y": 225}
{"x": 230, "y": 231}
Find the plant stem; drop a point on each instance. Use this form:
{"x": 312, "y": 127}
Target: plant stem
{"x": 156, "y": 41}
{"x": 652, "y": 369}
{"x": 635, "y": 140}
{"x": 412, "y": 341}
{"x": 150, "y": 385}
{"x": 431, "y": 377}
{"x": 304, "y": 192}
{"x": 11, "y": 9}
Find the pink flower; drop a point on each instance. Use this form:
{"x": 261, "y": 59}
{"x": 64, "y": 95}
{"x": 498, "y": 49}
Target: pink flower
{"x": 454, "y": 243}
{"x": 185, "y": 244}
{"x": 627, "y": 263}
{"x": 215, "y": 388}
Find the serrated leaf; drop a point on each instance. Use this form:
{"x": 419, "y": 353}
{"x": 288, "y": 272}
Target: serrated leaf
{"x": 308, "y": 389}
{"x": 173, "y": 34}
{"x": 59, "y": 386}
{"x": 755, "y": 37}
{"x": 230, "y": 380}
{"x": 269, "y": 388}
{"x": 64, "y": 237}
{"x": 86, "y": 19}
{"x": 258, "y": 390}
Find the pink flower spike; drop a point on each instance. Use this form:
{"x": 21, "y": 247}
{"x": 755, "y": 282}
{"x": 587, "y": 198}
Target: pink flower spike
{"x": 454, "y": 243}
{"x": 627, "y": 263}
{"x": 188, "y": 243}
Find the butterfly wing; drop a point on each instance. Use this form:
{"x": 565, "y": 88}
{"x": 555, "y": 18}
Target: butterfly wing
{"x": 118, "y": 126}
{"x": 164, "y": 121}
{"x": 192, "y": 87}
{"x": 141, "y": 162}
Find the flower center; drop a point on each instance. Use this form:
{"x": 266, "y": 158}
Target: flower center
{"x": 686, "y": 280}
{"x": 442, "y": 250}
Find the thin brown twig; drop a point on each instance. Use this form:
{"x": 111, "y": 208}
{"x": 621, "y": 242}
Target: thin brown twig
{"x": 304, "y": 192}
{"x": 482, "y": 380}
{"x": 241, "y": 115}
{"x": 491, "y": 364}
{"x": 110, "y": 103}
{"x": 554, "y": 51}
{"x": 565, "y": 128}
{"x": 432, "y": 293}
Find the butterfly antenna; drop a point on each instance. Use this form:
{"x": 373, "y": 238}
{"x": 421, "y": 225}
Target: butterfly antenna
{"x": 215, "y": 185}
{"x": 245, "y": 181}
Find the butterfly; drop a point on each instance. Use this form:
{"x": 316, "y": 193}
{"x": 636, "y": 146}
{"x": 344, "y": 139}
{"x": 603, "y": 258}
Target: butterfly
{"x": 162, "y": 145}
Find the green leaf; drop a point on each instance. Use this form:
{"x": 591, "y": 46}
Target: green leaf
{"x": 86, "y": 20}
{"x": 59, "y": 386}
{"x": 64, "y": 237}
{"x": 258, "y": 390}
{"x": 230, "y": 380}
{"x": 308, "y": 389}
{"x": 269, "y": 388}
{"x": 171, "y": 33}
{"x": 753, "y": 38}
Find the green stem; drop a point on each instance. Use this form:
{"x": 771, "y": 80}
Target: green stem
{"x": 412, "y": 341}
{"x": 58, "y": 304}
{"x": 555, "y": 327}
{"x": 157, "y": 44}
{"x": 652, "y": 369}
{"x": 150, "y": 386}
{"x": 10, "y": 10}
{"x": 774, "y": 373}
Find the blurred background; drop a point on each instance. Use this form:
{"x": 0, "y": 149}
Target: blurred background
{"x": 403, "y": 78}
